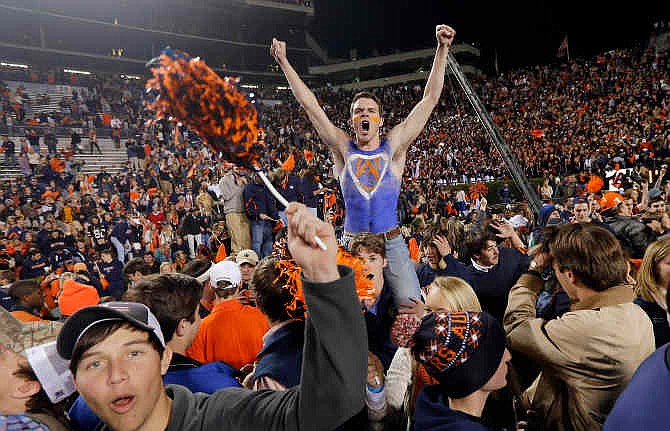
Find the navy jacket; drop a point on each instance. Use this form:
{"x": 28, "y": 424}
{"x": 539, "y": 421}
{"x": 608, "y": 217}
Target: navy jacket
{"x": 307, "y": 189}
{"x": 29, "y": 269}
{"x": 113, "y": 273}
{"x": 258, "y": 200}
{"x": 492, "y": 287}
{"x": 643, "y": 405}
{"x": 290, "y": 188}
{"x": 378, "y": 324}
{"x": 433, "y": 414}
{"x": 120, "y": 231}
{"x": 281, "y": 355}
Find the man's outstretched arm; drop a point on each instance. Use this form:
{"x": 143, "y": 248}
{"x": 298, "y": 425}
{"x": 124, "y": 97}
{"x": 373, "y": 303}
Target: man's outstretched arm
{"x": 334, "y": 365}
{"x": 333, "y": 136}
{"x": 402, "y": 135}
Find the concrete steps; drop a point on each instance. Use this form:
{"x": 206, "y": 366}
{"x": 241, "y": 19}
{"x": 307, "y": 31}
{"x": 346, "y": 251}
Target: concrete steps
{"x": 112, "y": 160}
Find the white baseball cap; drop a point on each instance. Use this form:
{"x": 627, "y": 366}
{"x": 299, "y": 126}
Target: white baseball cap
{"x": 225, "y": 270}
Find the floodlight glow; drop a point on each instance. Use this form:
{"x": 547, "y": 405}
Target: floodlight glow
{"x": 281, "y": 87}
{"x": 21, "y": 66}
{"x": 77, "y": 72}
{"x": 131, "y": 77}
{"x": 249, "y": 86}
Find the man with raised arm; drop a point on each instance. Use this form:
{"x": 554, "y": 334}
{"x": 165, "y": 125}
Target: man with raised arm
{"x": 118, "y": 354}
{"x": 370, "y": 168}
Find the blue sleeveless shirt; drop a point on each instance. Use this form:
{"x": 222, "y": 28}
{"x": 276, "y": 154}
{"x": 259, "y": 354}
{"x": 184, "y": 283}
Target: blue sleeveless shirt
{"x": 370, "y": 190}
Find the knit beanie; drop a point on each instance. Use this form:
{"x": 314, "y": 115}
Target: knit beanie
{"x": 461, "y": 350}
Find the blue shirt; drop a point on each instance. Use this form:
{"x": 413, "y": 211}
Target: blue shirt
{"x": 370, "y": 190}
{"x": 643, "y": 405}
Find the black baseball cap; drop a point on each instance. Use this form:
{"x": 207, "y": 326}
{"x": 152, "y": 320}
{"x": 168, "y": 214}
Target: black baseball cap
{"x": 76, "y": 325}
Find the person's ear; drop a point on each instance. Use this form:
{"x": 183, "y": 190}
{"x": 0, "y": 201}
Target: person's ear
{"x": 181, "y": 328}
{"x": 165, "y": 360}
{"x": 27, "y": 389}
{"x": 571, "y": 276}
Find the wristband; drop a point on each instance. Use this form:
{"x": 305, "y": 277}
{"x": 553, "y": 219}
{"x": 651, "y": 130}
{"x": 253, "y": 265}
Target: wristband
{"x": 375, "y": 391}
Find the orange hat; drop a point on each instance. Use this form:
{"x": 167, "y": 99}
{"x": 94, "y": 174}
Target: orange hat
{"x": 610, "y": 200}
{"x": 76, "y": 296}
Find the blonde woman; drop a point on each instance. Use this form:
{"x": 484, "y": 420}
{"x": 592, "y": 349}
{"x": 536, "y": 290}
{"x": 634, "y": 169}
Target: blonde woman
{"x": 404, "y": 378}
{"x": 546, "y": 191}
{"x": 651, "y": 289}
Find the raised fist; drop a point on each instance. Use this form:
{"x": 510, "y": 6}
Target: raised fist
{"x": 445, "y": 35}
{"x": 278, "y": 50}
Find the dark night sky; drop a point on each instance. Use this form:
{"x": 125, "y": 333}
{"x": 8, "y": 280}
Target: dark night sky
{"x": 522, "y": 32}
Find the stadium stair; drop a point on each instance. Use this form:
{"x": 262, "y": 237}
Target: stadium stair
{"x": 112, "y": 160}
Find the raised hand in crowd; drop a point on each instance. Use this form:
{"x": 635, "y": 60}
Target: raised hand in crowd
{"x": 442, "y": 245}
{"x": 507, "y": 231}
{"x": 278, "y": 51}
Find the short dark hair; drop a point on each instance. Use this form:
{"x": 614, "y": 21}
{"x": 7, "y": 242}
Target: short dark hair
{"x": 475, "y": 240}
{"x": 271, "y": 297}
{"x": 99, "y": 333}
{"x": 196, "y": 267}
{"x": 225, "y": 289}
{"x": 21, "y": 288}
{"x": 134, "y": 265}
{"x": 365, "y": 95}
{"x": 592, "y": 253}
{"x": 372, "y": 242}
{"x": 171, "y": 297}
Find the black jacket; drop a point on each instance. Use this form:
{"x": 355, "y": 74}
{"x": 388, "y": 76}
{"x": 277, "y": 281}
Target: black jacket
{"x": 659, "y": 320}
{"x": 633, "y": 235}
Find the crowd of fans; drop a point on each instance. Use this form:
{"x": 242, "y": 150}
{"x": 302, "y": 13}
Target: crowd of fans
{"x": 572, "y": 298}
{"x": 91, "y": 103}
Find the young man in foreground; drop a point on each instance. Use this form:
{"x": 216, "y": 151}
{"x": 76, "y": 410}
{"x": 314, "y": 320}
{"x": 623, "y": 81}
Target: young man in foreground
{"x": 118, "y": 358}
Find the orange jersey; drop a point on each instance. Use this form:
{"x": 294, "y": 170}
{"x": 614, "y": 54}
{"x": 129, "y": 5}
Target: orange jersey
{"x": 232, "y": 333}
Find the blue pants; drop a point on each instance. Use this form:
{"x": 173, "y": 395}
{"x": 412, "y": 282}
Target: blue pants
{"x": 120, "y": 249}
{"x": 261, "y": 238}
{"x": 400, "y": 272}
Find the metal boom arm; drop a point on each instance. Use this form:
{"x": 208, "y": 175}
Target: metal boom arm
{"x": 491, "y": 128}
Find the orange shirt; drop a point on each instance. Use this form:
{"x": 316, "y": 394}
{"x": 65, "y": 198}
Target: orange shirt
{"x": 24, "y": 316}
{"x": 50, "y": 194}
{"x": 232, "y": 333}
{"x": 67, "y": 214}
{"x": 57, "y": 164}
